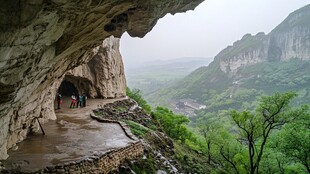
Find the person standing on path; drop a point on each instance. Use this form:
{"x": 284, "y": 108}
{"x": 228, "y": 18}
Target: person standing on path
{"x": 84, "y": 99}
{"x": 73, "y": 101}
{"x": 59, "y": 100}
{"x": 81, "y": 101}
{"x": 77, "y": 97}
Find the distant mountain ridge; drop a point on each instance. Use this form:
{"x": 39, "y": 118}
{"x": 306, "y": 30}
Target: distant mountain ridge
{"x": 204, "y": 60}
{"x": 250, "y": 63}
{"x": 151, "y": 76}
{"x": 197, "y": 61}
{"x": 290, "y": 39}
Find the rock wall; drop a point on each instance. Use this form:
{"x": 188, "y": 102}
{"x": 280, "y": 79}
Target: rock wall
{"x": 290, "y": 39}
{"x": 248, "y": 51}
{"x": 42, "y": 40}
{"x": 98, "y": 163}
{"x": 287, "y": 41}
{"x": 103, "y": 76}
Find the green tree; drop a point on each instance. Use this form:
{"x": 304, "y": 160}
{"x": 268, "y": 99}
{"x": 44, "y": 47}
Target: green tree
{"x": 255, "y": 128}
{"x": 209, "y": 128}
{"x": 231, "y": 153}
{"x": 295, "y": 140}
{"x": 274, "y": 161}
{"x": 173, "y": 124}
{"x": 136, "y": 95}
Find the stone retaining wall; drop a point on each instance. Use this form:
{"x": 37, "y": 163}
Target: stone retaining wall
{"x": 102, "y": 163}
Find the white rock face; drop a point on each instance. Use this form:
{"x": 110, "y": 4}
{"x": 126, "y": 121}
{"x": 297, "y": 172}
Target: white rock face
{"x": 289, "y": 40}
{"x": 233, "y": 64}
{"x": 247, "y": 51}
{"x": 103, "y": 76}
{"x": 291, "y": 44}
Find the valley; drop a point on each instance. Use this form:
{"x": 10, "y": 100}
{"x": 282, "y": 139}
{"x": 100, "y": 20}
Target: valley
{"x": 69, "y": 105}
{"x": 247, "y": 106}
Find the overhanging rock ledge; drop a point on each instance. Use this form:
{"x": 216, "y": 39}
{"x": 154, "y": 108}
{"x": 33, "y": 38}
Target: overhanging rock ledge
{"x": 40, "y": 40}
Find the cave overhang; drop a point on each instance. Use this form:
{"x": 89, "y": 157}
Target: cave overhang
{"x": 43, "y": 40}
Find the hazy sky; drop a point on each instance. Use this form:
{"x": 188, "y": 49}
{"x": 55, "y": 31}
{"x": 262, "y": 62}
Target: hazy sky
{"x": 211, "y": 27}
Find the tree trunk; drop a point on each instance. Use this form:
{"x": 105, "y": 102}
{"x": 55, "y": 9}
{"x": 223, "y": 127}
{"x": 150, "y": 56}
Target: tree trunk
{"x": 209, "y": 152}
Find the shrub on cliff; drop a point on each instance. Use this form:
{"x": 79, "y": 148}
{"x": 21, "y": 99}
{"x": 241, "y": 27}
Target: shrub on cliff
{"x": 136, "y": 95}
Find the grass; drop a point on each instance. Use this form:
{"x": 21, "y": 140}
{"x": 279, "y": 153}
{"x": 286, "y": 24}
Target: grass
{"x": 145, "y": 166}
{"x": 191, "y": 160}
{"x": 136, "y": 128}
{"x": 98, "y": 114}
{"x": 121, "y": 109}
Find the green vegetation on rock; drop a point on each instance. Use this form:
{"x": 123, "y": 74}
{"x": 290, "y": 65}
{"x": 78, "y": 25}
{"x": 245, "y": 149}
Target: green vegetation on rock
{"x": 254, "y": 118}
{"x": 136, "y": 95}
{"x": 270, "y": 137}
{"x": 137, "y": 128}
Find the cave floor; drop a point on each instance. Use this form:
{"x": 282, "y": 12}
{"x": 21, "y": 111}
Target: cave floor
{"x": 72, "y": 137}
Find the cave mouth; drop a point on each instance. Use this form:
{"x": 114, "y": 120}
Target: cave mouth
{"x": 67, "y": 88}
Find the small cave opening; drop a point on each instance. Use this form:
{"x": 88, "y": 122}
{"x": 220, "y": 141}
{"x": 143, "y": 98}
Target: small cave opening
{"x": 73, "y": 85}
{"x": 67, "y": 88}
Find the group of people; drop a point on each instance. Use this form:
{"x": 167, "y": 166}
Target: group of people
{"x": 76, "y": 100}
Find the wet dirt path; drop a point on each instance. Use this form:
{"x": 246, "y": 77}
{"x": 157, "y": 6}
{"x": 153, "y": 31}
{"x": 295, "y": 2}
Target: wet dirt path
{"x": 73, "y": 136}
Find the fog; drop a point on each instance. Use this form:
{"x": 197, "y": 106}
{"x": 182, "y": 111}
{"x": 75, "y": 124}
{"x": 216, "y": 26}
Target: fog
{"x": 211, "y": 27}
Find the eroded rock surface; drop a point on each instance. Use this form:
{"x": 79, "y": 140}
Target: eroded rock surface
{"x": 74, "y": 143}
{"x": 103, "y": 76}
{"x": 41, "y": 40}
{"x": 289, "y": 40}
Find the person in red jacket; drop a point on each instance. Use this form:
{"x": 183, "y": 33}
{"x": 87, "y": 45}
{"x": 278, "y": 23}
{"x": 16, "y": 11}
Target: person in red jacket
{"x": 73, "y": 101}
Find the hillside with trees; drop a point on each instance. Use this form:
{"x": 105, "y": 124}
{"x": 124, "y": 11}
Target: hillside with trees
{"x": 253, "y": 66}
{"x": 256, "y": 95}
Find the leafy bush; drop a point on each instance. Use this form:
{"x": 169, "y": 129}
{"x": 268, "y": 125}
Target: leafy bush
{"x": 137, "y": 128}
{"x": 145, "y": 166}
{"x": 136, "y": 95}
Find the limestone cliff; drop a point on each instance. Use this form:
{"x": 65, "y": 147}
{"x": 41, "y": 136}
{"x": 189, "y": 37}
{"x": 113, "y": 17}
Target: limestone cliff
{"x": 288, "y": 40}
{"x": 40, "y": 41}
{"x": 256, "y": 62}
{"x": 103, "y": 76}
{"x": 248, "y": 51}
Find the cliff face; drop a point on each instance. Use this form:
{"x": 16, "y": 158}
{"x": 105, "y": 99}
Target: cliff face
{"x": 290, "y": 39}
{"x": 248, "y": 51}
{"x": 40, "y": 41}
{"x": 103, "y": 76}
{"x": 256, "y": 62}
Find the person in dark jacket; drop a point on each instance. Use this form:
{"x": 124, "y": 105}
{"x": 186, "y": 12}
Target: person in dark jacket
{"x": 84, "y": 99}
{"x": 77, "y": 100}
{"x": 81, "y": 100}
{"x": 59, "y": 100}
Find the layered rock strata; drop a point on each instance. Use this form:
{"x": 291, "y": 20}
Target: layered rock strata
{"x": 287, "y": 41}
{"x": 42, "y": 40}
